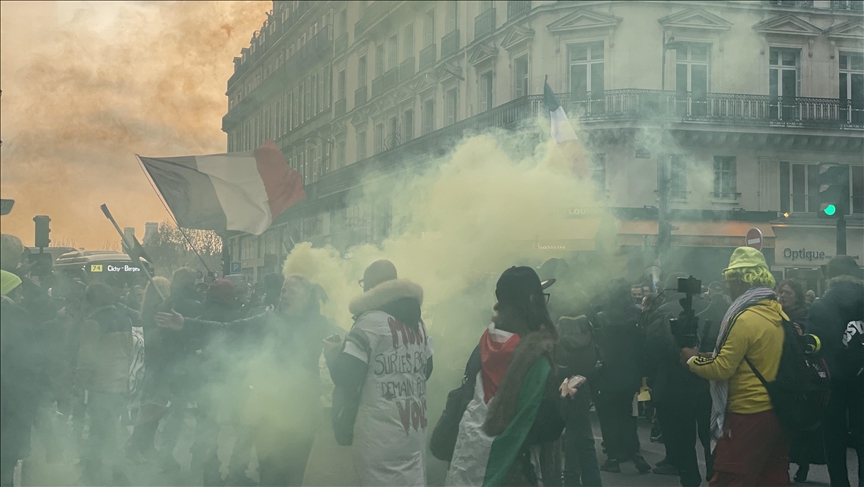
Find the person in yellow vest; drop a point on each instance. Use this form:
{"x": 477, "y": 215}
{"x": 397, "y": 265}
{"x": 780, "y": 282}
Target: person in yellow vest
{"x": 751, "y": 447}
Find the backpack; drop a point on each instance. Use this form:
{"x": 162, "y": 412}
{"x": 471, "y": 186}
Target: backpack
{"x": 443, "y": 440}
{"x": 577, "y": 350}
{"x": 800, "y": 391}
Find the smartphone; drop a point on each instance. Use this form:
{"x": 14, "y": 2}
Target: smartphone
{"x": 334, "y": 338}
{"x": 577, "y": 381}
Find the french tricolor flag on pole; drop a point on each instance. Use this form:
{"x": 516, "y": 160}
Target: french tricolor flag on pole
{"x": 240, "y": 191}
{"x": 563, "y": 133}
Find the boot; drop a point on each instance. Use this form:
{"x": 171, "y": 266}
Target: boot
{"x": 610, "y": 466}
{"x": 640, "y": 464}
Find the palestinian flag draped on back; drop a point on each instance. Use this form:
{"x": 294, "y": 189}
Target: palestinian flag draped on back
{"x": 241, "y": 191}
{"x": 481, "y": 459}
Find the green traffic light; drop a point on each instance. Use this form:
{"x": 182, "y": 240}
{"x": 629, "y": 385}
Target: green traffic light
{"x": 830, "y": 210}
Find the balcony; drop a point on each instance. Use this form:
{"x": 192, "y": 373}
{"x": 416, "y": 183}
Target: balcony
{"x": 376, "y": 10}
{"x": 450, "y": 43}
{"x": 339, "y": 107}
{"x": 385, "y": 82}
{"x": 484, "y": 24}
{"x": 341, "y": 43}
{"x": 517, "y": 8}
{"x": 406, "y": 69}
{"x": 789, "y": 3}
{"x": 427, "y": 56}
{"x": 360, "y": 95}
{"x": 856, "y": 5}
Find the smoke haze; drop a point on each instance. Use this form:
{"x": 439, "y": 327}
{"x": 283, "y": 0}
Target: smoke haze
{"x": 88, "y": 85}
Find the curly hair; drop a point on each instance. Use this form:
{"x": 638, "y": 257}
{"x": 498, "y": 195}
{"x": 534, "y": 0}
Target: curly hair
{"x": 797, "y": 289}
{"x": 758, "y": 276}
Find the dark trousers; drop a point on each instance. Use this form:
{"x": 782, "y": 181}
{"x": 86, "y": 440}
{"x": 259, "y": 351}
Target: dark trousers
{"x": 104, "y": 410}
{"x": 615, "y": 409}
{"x": 283, "y": 464}
{"x": 580, "y": 458}
{"x": 678, "y": 420}
{"x": 844, "y": 416}
{"x": 703, "y": 427}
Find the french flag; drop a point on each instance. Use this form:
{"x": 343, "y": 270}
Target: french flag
{"x": 239, "y": 191}
{"x": 562, "y": 131}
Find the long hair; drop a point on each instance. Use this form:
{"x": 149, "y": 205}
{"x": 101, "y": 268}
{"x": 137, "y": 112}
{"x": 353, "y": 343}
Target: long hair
{"x": 531, "y": 311}
{"x": 797, "y": 289}
{"x": 757, "y": 276}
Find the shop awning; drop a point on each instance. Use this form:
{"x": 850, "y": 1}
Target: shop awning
{"x": 694, "y": 234}
{"x": 571, "y": 234}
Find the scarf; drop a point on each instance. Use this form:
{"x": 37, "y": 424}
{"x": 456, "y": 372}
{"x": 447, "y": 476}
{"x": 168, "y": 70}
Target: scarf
{"x": 720, "y": 389}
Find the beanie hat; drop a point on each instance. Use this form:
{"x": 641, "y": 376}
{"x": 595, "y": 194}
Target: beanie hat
{"x": 746, "y": 257}
{"x": 8, "y": 282}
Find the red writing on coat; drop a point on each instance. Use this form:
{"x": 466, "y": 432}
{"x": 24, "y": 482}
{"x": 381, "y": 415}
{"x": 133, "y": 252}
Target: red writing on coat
{"x": 408, "y": 335}
{"x": 412, "y": 414}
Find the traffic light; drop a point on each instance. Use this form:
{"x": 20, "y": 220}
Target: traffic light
{"x": 833, "y": 190}
{"x": 42, "y": 230}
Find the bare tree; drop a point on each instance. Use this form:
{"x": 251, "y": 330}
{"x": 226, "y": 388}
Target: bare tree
{"x": 170, "y": 250}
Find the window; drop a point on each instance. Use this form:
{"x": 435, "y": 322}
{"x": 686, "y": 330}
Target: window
{"x": 450, "y": 16}
{"x": 784, "y": 82}
{"x": 857, "y": 189}
{"x": 408, "y": 42}
{"x": 598, "y": 170}
{"x": 361, "y": 145}
{"x": 451, "y": 106}
{"x": 379, "y": 60}
{"x": 340, "y": 155}
{"x": 393, "y": 55}
{"x": 691, "y": 79}
{"x": 485, "y": 95}
{"x": 379, "y": 138}
{"x": 394, "y": 135}
{"x": 428, "y": 116}
{"x": 586, "y": 71}
{"x": 485, "y": 5}
{"x": 799, "y": 188}
{"x": 361, "y": 72}
{"x": 342, "y": 24}
{"x": 725, "y": 180}
{"x": 408, "y": 125}
{"x": 520, "y": 76}
{"x": 340, "y": 85}
{"x": 852, "y": 87}
{"x": 677, "y": 177}
{"x": 314, "y": 86}
{"x": 429, "y": 28}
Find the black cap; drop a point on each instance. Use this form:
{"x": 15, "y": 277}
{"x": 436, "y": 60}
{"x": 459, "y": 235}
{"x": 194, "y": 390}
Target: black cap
{"x": 516, "y": 284}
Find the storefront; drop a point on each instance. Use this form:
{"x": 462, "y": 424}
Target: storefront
{"x": 804, "y": 248}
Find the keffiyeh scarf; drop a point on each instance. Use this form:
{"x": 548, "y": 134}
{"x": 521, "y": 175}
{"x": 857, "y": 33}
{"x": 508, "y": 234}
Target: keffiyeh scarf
{"x": 720, "y": 389}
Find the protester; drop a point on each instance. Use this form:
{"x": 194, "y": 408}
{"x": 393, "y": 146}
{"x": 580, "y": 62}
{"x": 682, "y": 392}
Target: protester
{"x": 751, "y": 448}
{"x": 806, "y": 447}
{"x": 11, "y": 252}
{"x": 384, "y": 365}
{"x": 284, "y": 412}
{"x": 515, "y": 405}
{"x": 677, "y": 394}
{"x": 810, "y": 297}
{"x": 102, "y": 370}
{"x": 838, "y": 321}
{"x": 21, "y": 379}
{"x": 621, "y": 344}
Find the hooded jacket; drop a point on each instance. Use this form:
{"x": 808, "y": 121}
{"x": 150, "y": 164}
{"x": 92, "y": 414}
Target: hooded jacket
{"x": 757, "y": 333}
{"x": 621, "y": 342}
{"x": 833, "y": 320}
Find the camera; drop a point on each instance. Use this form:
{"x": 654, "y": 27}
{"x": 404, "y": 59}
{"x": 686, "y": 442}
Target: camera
{"x": 685, "y": 328}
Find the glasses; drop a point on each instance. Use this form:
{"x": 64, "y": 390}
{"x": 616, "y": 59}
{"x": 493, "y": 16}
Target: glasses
{"x": 546, "y": 297}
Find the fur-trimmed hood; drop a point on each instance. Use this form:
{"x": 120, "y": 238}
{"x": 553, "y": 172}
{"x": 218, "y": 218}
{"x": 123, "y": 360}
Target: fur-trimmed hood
{"x": 532, "y": 346}
{"x": 399, "y": 298}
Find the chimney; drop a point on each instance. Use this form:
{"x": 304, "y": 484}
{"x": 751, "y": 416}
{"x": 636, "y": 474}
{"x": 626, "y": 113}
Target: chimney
{"x": 151, "y": 229}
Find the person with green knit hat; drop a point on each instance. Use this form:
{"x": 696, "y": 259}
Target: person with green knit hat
{"x": 750, "y": 447}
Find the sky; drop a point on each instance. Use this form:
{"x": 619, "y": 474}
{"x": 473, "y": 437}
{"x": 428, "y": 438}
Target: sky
{"x": 87, "y": 85}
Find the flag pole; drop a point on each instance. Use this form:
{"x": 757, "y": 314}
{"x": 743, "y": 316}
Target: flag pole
{"x": 131, "y": 246}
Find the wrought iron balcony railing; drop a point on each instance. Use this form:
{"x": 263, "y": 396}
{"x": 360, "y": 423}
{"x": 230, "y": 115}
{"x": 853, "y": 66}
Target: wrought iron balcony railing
{"x": 406, "y": 69}
{"x": 450, "y": 43}
{"x": 360, "y": 95}
{"x": 385, "y": 82}
{"x": 516, "y": 8}
{"x": 427, "y": 56}
{"x": 372, "y": 13}
{"x": 484, "y": 24}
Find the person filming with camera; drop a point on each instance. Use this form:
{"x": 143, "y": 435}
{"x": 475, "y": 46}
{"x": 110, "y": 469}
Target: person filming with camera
{"x": 751, "y": 446}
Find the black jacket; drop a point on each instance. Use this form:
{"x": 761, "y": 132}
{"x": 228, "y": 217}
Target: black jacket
{"x": 621, "y": 342}
{"x": 830, "y": 319}
{"x": 710, "y": 320}
{"x": 669, "y": 381}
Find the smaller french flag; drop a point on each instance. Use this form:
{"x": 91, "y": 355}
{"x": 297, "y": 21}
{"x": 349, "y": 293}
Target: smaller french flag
{"x": 562, "y": 131}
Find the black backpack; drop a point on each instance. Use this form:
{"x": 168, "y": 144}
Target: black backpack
{"x": 800, "y": 391}
{"x": 443, "y": 439}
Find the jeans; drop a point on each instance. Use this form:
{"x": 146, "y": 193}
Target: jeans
{"x": 678, "y": 420}
{"x": 580, "y": 458}
{"x": 844, "y": 415}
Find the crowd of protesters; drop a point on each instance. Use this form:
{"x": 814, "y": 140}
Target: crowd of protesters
{"x": 91, "y": 356}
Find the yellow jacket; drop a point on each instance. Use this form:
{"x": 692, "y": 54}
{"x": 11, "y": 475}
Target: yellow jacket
{"x": 757, "y": 333}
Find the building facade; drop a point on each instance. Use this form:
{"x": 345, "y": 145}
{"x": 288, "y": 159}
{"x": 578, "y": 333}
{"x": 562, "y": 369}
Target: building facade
{"x": 739, "y": 101}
